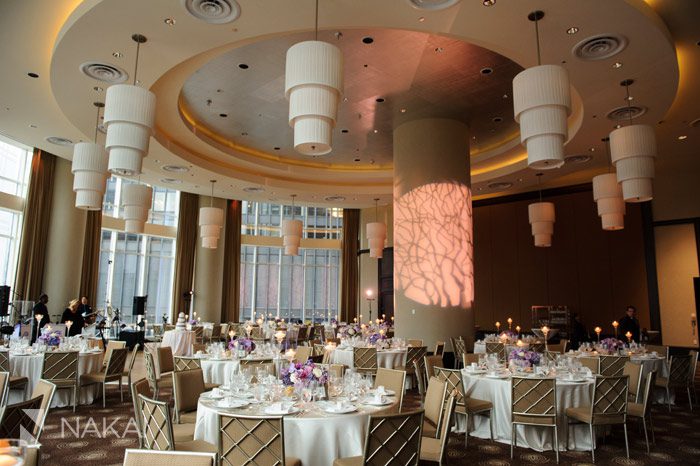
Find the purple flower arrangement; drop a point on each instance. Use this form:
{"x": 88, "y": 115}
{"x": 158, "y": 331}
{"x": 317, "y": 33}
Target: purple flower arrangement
{"x": 350, "y": 330}
{"x": 246, "y": 343}
{"x": 511, "y": 335}
{"x": 611, "y": 345}
{"x": 303, "y": 373}
{"x": 376, "y": 337}
{"x": 193, "y": 322}
{"x": 50, "y": 338}
{"x": 529, "y": 357}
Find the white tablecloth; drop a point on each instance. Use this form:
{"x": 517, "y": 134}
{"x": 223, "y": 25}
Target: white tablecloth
{"x": 180, "y": 341}
{"x": 219, "y": 370}
{"x": 498, "y": 391}
{"x": 388, "y": 359}
{"x": 315, "y": 437}
{"x": 31, "y": 367}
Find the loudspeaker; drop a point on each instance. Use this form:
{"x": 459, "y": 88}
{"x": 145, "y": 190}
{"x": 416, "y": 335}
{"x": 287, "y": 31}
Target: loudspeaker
{"x": 140, "y": 305}
{"x": 4, "y": 300}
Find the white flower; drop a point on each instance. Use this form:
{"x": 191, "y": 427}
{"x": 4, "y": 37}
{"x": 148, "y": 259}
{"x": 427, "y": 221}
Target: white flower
{"x": 521, "y": 354}
{"x": 317, "y": 372}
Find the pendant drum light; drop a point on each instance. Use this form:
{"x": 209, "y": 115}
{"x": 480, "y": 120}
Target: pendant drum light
{"x": 541, "y": 216}
{"x": 291, "y": 234}
{"x": 607, "y": 193}
{"x": 129, "y": 119}
{"x": 89, "y": 170}
{"x": 632, "y": 149}
{"x": 376, "y": 235}
{"x": 313, "y": 86}
{"x": 542, "y": 103}
{"x": 211, "y": 220}
{"x": 136, "y": 202}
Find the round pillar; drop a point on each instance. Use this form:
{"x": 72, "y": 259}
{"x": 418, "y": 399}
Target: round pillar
{"x": 433, "y": 248}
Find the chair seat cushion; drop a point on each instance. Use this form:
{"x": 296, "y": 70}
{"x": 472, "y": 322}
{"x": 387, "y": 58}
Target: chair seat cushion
{"x": 350, "y": 461}
{"x": 661, "y": 381}
{"x": 583, "y": 414}
{"x": 183, "y": 432}
{"x": 635, "y": 409}
{"x": 188, "y": 418}
{"x": 429, "y": 430}
{"x": 195, "y": 445}
{"x": 211, "y": 386}
{"x": 93, "y": 377}
{"x": 430, "y": 449}
{"x": 18, "y": 381}
{"x": 475, "y": 405}
{"x": 165, "y": 382}
{"x": 524, "y": 418}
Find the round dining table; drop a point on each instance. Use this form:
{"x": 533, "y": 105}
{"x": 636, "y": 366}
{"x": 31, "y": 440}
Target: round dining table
{"x": 388, "y": 358}
{"x": 31, "y": 366}
{"x": 497, "y": 390}
{"x": 218, "y": 370}
{"x": 312, "y": 435}
{"x": 180, "y": 341}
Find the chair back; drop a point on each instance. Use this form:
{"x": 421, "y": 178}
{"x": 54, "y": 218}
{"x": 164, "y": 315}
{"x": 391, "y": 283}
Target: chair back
{"x": 534, "y": 401}
{"x": 319, "y": 332}
{"x": 184, "y": 363}
{"x": 111, "y": 345}
{"x": 134, "y": 457}
{"x": 198, "y": 332}
{"x": 458, "y": 346}
{"x": 444, "y": 431}
{"x": 132, "y": 359}
{"x": 551, "y": 355}
{"x": 4, "y": 388}
{"x": 564, "y": 345}
{"x": 497, "y": 348}
{"x": 453, "y": 379}
{"x": 157, "y": 330}
{"x": 679, "y": 370}
{"x": 187, "y": 386}
{"x": 16, "y": 422}
{"x": 391, "y": 379}
{"x": 45, "y": 390}
{"x": 336, "y": 370}
{"x": 165, "y": 359}
{"x": 538, "y": 347}
{"x": 196, "y": 347}
{"x": 257, "y": 333}
{"x": 414, "y": 342}
{"x": 250, "y": 440}
{"x": 431, "y": 362}
{"x": 319, "y": 348}
{"x": 302, "y": 334}
{"x": 224, "y": 330}
{"x": 140, "y": 387}
{"x": 364, "y": 359}
{"x": 216, "y": 332}
{"x": 660, "y": 350}
{"x": 156, "y": 424}
{"x": 419, "y": 369}
{"x": 167, "y": 327}
{"x": 394, "y": 439}
{"x": 336, "y": 341}
{"x": 60, "y": 366}
{"x": 693, "y": 365}
{"x": 634, "y": 372}
{"x": 612, "y": 365}
{"x": 415, "y": 352}
{"x": 646, "y": 392}
{"x": 439, "y": 348}
{"x": 468, "y": 358}
{"x": 4, "y": 361}
{"x": 117, "y": 362}
{"x": 151, "y": 370}
{"x": 610, "y": 399}
{"x": 303, "y": 353}
{"x": 592, "y": 363}
{"x": 435, "y": 397}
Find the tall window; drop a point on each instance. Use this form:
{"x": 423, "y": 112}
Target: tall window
{"x": 15, "y": 166}
{"x": 138, "y": 265}
{"x": 303, "y": 287}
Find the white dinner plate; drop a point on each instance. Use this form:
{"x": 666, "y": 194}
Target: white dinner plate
{"x": 387, "y": 392}
{"x": 281, "y": 412}
{"x": 497, "y": 376}
{"x": 372, "y": 402}
{"x": 344, "y": 410}
{"x": 475, "y": 372}
{"x": 231, "y": 405}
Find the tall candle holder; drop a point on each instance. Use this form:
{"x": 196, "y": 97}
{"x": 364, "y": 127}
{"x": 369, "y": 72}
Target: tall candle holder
{"x": 597, "y": 331}
{"x": 498, "y": 327}
{"x": 629, "y": 337}
{"x": 517, "y": 329}
{"x": 545, "y": 332}
{"x": 510, "y": 322}
{"x": 615, "y": 324}
{"x": 38, "y": 318}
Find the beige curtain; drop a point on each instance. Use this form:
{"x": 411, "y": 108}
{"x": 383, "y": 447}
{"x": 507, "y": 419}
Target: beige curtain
{"x": 185, "y": 249}
{"x": 230, "y": 294}
{"x": 91, "y": 255}
{"x": 350, "y": 279}
{"x": 37, "y": 213}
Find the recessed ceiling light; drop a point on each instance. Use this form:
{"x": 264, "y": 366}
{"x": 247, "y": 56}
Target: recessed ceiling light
{"x": 32, "y": 126}
{"x": 488, "y": 2}
{"x": 59, "y": 141}
{"x": 403, "y": 110}
{"x": 432, "y": 4}
{"x": 344, "y": 131}
{"x": 486, "y": 70}
{"x": 578, "y": 159}
{"x": 169, "y": 21}
{"x": 254, "y": 189}
{"x": 592, "y": 149}
{"x": 117, "y": 54}
{"x": 356, "y": 159}
{"x": 223, "y": 115}
{"x": 97, "y": 89}
{"x": 505, "y": 96}
{"x": 334, "y": 198}
{"x": 618, "y": 126}
{"x": 379, "y": 99}
{"x": 276, "y": 148}
{"x": 367, "y": 40}
{"x": 572, "y": 30}
{"x": 243, "y": 66}
{"x": 170, "y": 181}
{"x": 439, "y": 49}
{"x": 682, "y": 137}
{"x": 32, "y": 75}
{"x": 617, "y": 64}
{"x": 497, "y": 119}
{"x": 175, "y": 168}
{"x": 376, "y": 131}
{"x": 244, "y": 133}
{"x": 421, "y": 19}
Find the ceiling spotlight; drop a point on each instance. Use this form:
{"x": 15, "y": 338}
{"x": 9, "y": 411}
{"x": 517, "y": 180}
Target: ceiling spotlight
{"x": 376, "y": 131}
{"x": 403, "y": 110}
{"x": 367, "y": 40}
{"x": 486, "y": 70}
{"x": 592, "y": 149}
{"x": 169, "y": 21}
{"x": 572, "y": 30}
{"x": 33, "y": 75}
{"x": 421, "y": 19}
{"x": 488, "y": 2}
{"x": 617, "y": 64}
{"x": 439, "y": 49}
{"x": 97, "y": 89}
{"x": 682, "y": 137}
{"x": 117, "y": 54}
{"x": 243, "y": 66}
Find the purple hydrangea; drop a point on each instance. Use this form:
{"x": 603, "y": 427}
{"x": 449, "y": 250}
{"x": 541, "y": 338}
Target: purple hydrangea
{"x": 530, "y": 357}
{"x": 303, "y": 373}
{"x": 246, "y": 343}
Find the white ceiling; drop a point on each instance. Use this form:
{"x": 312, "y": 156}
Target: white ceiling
{"x": 53, "y": 38}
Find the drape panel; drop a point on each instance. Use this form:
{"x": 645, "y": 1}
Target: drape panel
{"x": 91, "y": 255}
{"x": 350, "y": 279}
{"x": 35, "y": 231}
{"x": 185, "y": 249}
{"x": 230, "y": 294}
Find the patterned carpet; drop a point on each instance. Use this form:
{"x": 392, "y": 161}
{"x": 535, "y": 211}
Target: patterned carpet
{"x": 105, "y": 433}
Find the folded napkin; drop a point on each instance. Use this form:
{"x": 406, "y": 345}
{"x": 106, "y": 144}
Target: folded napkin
{"x": 381, "y": 390}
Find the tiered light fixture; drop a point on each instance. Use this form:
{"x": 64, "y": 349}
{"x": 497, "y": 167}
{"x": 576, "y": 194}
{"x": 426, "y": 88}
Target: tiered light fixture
{"x": 313, "y": 86}
{"x": 376, "y": 234}
{"x": 136, "y": 202}
{"x": 129, "y": 117}
{"x": 632, "y": 149}
{"x": 291, "y": 234}
{"x": 211, "y": 220}
{"x": 607, "y": 193}
{"x": 89, "y": 170}
{"x": 541, "y": 215}
{"x": 542, "y": 103}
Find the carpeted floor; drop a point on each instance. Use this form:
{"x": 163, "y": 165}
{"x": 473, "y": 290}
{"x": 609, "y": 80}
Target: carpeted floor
{"x": 105, "y": 433}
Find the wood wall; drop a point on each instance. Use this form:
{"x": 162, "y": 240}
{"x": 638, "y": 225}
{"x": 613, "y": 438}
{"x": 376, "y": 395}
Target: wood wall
{"x": 596, "y": 273}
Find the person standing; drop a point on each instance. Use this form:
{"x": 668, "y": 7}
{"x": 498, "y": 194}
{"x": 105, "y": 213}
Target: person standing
{"x": 84, "y": 308}
{"x": 72, "y": 313}
{"x": 40, "y": 309}
{"x": 629, "y": 323}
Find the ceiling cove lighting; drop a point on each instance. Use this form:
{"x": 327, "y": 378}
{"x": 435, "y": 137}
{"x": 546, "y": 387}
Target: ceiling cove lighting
{"x": 376, "y": 234}
{"x": 632, "y": 150}
{"x": 136, "y": 202}
{"x": 542, "y": 103}
{"x": 607, "y": 193}
{"x": 542, "y": 218}
{"x": 211, "y": 220}
{"x": 313, "y": 86}
{"x": 291, "y": 233}
{"x": 89, "y": 168}
{"x": 129, "y": 118}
